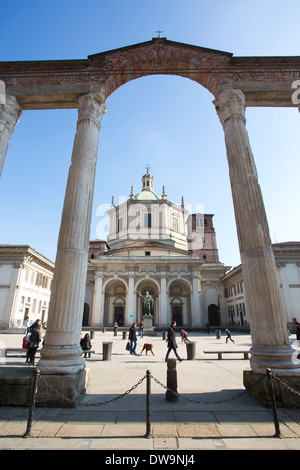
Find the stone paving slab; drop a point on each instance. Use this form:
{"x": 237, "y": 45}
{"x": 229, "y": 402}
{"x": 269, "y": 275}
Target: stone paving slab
{"x": 240, "y": 424}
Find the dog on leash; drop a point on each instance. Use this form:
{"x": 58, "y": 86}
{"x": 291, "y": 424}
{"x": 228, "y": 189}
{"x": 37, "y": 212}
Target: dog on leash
{"x": 148, "y": 347}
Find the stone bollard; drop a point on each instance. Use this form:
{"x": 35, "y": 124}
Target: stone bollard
{"x": 164, "y": 335}
{"x": 107, "y": 347}
{"x": 171, "y": 380}
{"x": 124, "y": 333}
{"x": 191, "y": 350}
{"x": 92, "y": 333}
{"x": 218, "y": 334}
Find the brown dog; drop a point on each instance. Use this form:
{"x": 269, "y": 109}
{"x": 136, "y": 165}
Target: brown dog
{"x": 148, "y": 347}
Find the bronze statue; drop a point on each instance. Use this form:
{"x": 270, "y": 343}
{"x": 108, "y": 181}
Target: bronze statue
{"x": 148, "y": 303}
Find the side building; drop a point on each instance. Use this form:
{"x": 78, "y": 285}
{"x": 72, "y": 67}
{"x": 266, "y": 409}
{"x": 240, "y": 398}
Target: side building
{"x": 287, "y": 258}
{"x": 25, "y": 285}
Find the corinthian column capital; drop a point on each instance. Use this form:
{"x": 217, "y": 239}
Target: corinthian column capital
{"x": 230, "y": 103}
{"x": 10, "y": 113}
{"x": 91, "y": 107}
{"x": 9, "y": 116}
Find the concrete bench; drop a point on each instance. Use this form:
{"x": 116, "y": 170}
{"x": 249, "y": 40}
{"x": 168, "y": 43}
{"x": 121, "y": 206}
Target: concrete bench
{"x": 87, "y": 351}
{"x": 18, "y": 352}
{"x": 220, "y": 353}
{"x": 7, "y": 352}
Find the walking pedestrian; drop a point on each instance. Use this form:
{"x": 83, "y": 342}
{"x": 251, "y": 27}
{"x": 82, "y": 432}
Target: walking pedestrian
{"x": 297, "y": 325}
{"x": 228, "y": 336}
{"x": 142, "y": 329}
{"x": 133, "y": 339}
{"x": 171, "y": 340}
{"x": 35, "y": 339}
{"x": 26, "y": 324}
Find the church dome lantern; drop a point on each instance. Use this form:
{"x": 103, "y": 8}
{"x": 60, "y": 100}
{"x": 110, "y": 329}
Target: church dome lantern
{"x": 147, "y": 192}
{"x": 147, "y": 181}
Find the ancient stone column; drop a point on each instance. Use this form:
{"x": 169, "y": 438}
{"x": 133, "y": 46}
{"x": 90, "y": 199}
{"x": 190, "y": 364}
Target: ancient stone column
{"x": 61, "y": 352}
{"x": 131, "y": 300}
{"x": 197, "y": 319}
{"x": 270, "y": 342}
{"x": 9, "y": 116}
{"x": 163, "y": 304}
{"x": 98, "y": 298}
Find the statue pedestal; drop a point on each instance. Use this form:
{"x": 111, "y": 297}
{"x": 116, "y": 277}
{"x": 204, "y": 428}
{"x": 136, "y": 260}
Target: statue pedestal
{"x": 148, "y": 325}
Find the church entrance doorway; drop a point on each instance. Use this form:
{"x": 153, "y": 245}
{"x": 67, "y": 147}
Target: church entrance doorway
{"x": 177, "y": 314}
{"x": 213, "y": 315}
{"x": 119, "y": 315}
{"x": 86, "y": 315}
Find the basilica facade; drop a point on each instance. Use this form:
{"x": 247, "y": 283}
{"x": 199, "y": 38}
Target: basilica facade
{"x": 155, "y": 246}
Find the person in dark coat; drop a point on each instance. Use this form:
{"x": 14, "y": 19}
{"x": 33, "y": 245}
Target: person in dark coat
{"x": 133, "y": 339}
{"x": 34, "y": 341}
{"x": 86, "y": 344}
{"x": 172, "y": 345}
{"x": 297, "y": 325}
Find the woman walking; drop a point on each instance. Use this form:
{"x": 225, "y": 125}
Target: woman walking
{"x": 35, "y": 339}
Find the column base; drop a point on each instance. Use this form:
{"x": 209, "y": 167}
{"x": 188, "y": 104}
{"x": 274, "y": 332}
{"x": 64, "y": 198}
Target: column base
{"x": 61, "y": 391}
{"x": 281, "y": 359}
{"x": 61, "y": 360}
{"x": 257, "y": 386}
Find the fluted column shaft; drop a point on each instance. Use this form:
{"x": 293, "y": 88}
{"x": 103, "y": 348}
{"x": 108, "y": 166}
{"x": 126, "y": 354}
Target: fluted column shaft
{"x": 163, "y": 314}
{"x": 10, "y": 113}
{"x": 270, "y": 342}
{"x": 61, "y": 352}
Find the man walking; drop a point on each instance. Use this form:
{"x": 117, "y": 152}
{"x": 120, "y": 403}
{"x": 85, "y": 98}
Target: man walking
{"x": 172, "y": 345}
{"x": 133, "y": 338}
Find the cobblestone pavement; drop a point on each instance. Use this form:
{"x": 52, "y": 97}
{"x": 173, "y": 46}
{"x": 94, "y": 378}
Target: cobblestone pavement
{"x": 212, "y": 412}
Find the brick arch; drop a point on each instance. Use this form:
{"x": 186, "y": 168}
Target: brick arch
{"x": 161, "y": 57}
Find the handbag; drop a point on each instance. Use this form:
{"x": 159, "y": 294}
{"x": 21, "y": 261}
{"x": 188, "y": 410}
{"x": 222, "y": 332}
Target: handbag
{"x": 128, "y": 346}
{"x": 25, "y": 342}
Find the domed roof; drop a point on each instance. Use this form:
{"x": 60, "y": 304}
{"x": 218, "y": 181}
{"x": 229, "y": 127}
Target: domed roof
{"x": 147, "y": 195}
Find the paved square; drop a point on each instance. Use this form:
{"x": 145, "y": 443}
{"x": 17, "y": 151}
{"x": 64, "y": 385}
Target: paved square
{"x": 204, "y": 416}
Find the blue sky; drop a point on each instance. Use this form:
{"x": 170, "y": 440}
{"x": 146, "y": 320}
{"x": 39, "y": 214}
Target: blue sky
{"x": 167, "y": 122}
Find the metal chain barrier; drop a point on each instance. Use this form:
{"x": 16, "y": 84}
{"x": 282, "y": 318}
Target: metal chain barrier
{"x": 286, "y": 385}
{"x": 225, "y": 400}
{"x": 271, "y": 376}
{"x": 149, "y": 376}
{"x": 106, "y": 402}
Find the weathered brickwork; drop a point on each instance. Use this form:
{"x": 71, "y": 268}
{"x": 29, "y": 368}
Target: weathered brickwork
{"x": 265, "y": 81}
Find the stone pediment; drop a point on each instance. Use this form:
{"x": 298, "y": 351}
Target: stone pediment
{"x": 160, "y": 56}
{"x": 157, "y": 48}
